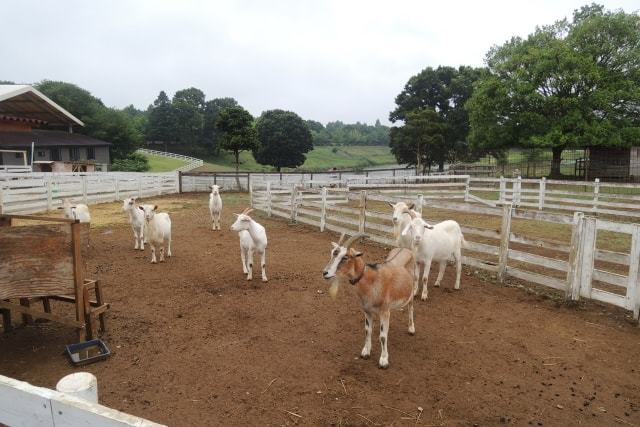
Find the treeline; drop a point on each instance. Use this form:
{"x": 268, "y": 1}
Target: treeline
{"x": 570, "y": 85}
{"x": 339, "y": 133}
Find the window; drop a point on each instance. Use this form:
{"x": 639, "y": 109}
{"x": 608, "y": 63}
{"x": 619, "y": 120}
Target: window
{"x": 91, "y": 153}
{"x": 74, "y": 153}
{"x": 55, "y": 154}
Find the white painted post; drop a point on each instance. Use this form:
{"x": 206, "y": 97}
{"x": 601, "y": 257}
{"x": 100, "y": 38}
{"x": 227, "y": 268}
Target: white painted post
{"x": 49, "y": 194}
{"x": 139, "y": 186}
{"x": 82, "y": 385}
{"x": 466, "y": 189}
{"x": 505, "y": 236}
{"x": 250, "y": 186}
{"x": 503, "y": 190}
{"x": 633, "y": 282}
{"x": 572, "y": 292}
{"x": 84, "y": 189}
{"x": 293, "y": 202}
{"x": 1, "y": 199}
{"x": 418, "y": 203}
{"x": 116, "y": 184}
{"x": 323, "y": 212}
{"x": 587, "y": 257}
{"x": 596, "y": 194}
{"x": 543, "y": 189}
{"x": 362, "y": 218}
{"x": 517, "y": 191}
{"x": 269, "y": 199}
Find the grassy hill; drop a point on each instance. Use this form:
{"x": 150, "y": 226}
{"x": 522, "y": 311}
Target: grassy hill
{"x": 320, "y": 159}
{"x": 163, "y": 164}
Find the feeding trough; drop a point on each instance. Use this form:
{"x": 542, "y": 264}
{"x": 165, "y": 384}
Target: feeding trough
{"x": 87, "y": 352}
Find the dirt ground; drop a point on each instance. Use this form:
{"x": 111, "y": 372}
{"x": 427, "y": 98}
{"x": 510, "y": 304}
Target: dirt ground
{"x": 195, "y": 344}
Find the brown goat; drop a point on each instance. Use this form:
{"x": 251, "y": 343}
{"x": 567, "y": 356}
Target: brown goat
{"x": 380, "y": 287}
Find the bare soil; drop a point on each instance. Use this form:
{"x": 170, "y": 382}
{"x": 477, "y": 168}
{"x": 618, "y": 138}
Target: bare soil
{"x": 194, "y": 343}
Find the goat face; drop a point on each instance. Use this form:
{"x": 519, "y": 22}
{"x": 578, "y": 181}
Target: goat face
{"x": 128, "y": 203}
{"x": 341, "y": 262}
{"x": 149, "y": 211}
{"x": 416, "y": 229}
{"x": 215, "y": 190}
{"x": 400, "y": 209}
{"x": 242, "y": 222}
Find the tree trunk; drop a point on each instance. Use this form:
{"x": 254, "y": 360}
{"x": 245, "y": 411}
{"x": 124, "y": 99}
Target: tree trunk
{"x": 441, "y": 166}
{"x": 278, "y": 168}
{"x": 555, "y": 162}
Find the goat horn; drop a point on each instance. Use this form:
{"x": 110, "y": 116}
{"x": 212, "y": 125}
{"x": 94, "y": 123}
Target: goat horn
{"x": 353, "y": 239}
{"x": 412, "y": 214}
{"x": 341, "y": 239}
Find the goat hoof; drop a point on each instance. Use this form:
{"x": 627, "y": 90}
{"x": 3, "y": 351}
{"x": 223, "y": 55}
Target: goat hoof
{"x": 265, "y": 280}
{"x": 382, "y": 365}
{"x": 437, "y": 285}
{"x": 423, "y": 298}
{"x": 364, "y": 356}
{"x": 412, "y": 332}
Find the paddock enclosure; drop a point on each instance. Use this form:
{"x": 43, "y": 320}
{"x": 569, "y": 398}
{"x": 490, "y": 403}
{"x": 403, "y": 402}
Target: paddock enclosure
{"x": 193, "y": 343}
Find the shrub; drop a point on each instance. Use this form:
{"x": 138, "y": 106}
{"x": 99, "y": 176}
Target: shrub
{"x": 134, "y": 162}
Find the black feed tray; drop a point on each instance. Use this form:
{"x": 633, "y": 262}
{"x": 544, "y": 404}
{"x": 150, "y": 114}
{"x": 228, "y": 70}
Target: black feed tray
{"x": 87, "y": 352}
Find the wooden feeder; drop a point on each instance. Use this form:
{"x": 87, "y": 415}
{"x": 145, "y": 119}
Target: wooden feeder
{"x": 44, "y": 262}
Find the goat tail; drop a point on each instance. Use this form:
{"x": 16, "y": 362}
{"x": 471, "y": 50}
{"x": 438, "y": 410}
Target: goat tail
{"x": 463, "y": 242}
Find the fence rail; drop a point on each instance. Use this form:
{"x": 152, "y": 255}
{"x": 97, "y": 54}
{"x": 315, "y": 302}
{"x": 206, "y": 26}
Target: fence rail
{"x": 192, "y": 162}
{"x": 578, "y": 267}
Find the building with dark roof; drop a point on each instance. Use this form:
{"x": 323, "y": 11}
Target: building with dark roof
{"x": 30, "y": 119}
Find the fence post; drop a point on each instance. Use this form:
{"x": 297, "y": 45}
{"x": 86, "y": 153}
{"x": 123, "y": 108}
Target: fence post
{"x": 596, "y": 194}
{"x": 543, "y": 189}
{"x": 518, "y": 191}
{"x": 180, "y": 182}
{"x": 117, "y": 187}
{"x": 293, "y": 202}
{"x": 633, "y": 283}
{"x": 249, "y": 183}
{"x": 505, "y": 236}
{"x": 269, "y": 198}
{"x": 1, "y": 199}
{"x": 362, "y": 218}
{"x": 466, "y": 189}
{"x": 139, "y": 186}
{"x": 572, "y": 292}
{"x": 503, "y": 189}
{"x": 84, "y": 189}
{"x": 418, "y": 203}
{"x": 323, "y": 211}
{"x": 250, "y": 186}
{"x": 49, "y": 194}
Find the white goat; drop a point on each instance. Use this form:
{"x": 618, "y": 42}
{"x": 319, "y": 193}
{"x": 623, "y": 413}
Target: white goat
{"x": 401, "y": 219}
{"x": 253, "y": 237}
{"x": 136, "y": 218}
{"x": 441, "y": 242}
{"x": 215, "y": 206}
{"x": 158, "y": 230}
{"x": 78, "y": 211}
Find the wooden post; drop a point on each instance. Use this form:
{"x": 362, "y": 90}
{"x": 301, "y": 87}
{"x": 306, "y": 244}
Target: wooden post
{"x": 249, "y": 183}
{"x": 572, "y": 292}
{"x": 362, "y": 218}
{"x": 505, "y": 236}
{"x": 269, "y": 199}
{"x": 596, "y": 195}
{"x": 78, "y": 277}
{"x": 587, "y": 256}
{"x": 1, "y": 199}
{"x": 180, "y": 181}
{"x": 293, "y": 202}
{"x": 84, "y": 189}
{"x": 633, "y": 281}
{"x": 49, "y": 194}
{"x": 117, "y": 187}
{"x": 541, "y": 192}
{"x": 466, "y": 188}
{"x": 323, "y": 209}
{"x": 517, "y": 191}
{"x": 250, "y": 187}
{"x": 418, "y": 203}
{"x": 503, "y": 190}
{"x": 139, "y": 186}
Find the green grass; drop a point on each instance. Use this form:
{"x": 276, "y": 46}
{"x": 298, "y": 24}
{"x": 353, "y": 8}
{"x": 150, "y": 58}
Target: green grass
{"x": 163, "y": 164}
{"x": 320, "y": 159}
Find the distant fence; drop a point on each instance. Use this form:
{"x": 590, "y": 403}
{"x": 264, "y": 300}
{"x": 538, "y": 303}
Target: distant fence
{"x": 36, "y": 192}
{"x": 192, "y": 162}
{"x": 577, "y": 266}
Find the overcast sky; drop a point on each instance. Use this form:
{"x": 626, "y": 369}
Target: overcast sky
{"x": 326, "y": 60}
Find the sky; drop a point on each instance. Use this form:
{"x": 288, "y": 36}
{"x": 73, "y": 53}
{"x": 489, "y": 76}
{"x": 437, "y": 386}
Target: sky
{"x": 326, "y": 60}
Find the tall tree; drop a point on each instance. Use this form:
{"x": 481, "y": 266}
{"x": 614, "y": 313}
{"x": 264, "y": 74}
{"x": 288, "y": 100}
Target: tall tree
{"x": 421, "y": 141}
{"x": 443, "y": 90}
{"x": 237, "y": 131}
{"x": 211, "y": 135}
{"x": 568, "y": 85}
{"x": 283, "y": 138}
{"x": 161, "y": 122}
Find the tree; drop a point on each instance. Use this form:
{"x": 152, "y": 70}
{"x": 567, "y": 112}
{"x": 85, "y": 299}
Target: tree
{"x": 211, "y": 135}
{"x": 237, "y": 131}
{"x": 116, "y": 127}
{"x": 421, "y": 141}
{"x": 75, "y": 100}
{"x": 443, "y": 90}
{"x": 283, "y": 138}
{"x": 568, "y": 85}
{"x": 161, "y": 122}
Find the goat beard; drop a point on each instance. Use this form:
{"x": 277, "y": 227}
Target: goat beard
{"x": 333, "y": 289}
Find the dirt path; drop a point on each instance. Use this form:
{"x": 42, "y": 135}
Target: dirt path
{"x": 195, "y": 344}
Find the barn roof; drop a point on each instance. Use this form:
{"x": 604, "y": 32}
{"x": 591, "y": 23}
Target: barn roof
{"x": 48, "y": 138}
{"x": 27, "y": 102}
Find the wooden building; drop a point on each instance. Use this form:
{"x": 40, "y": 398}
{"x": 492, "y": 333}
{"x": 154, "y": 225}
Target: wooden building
{"x": 30, "y": 119}
{"x": 613, "y": 164}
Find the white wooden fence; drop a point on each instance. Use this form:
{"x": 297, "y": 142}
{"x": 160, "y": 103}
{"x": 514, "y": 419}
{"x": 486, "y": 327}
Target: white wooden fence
{"x": 22, "y": 404}
{"x": 36, "y": 192}
{"x": 579, "y": 268}
{"x": 192, "y": 162}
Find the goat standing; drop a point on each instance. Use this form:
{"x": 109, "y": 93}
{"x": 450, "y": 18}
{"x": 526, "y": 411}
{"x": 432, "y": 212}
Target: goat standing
{"x": 78, "y": 211}
{"x": 158, "y": 230}
{"x": 215, "y": 207}
{"x": 441, "y": 243}
{"x": 380, "y": 288}
{"x": 136, "y": 218}
{"x": 401, "y": 219}
{"x": 253, "y": 237}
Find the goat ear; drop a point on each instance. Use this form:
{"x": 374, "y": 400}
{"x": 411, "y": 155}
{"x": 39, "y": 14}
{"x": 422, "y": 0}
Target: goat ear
{"x": 391, "y": 204}
{"x": 155, "y": 208}
{"x": 428, "y": 226}
{"x": 141, "y": 208}
{"x": 356, "y": 253}
{"x": 411, "y": 206}
{"x": 334, "y": 244}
